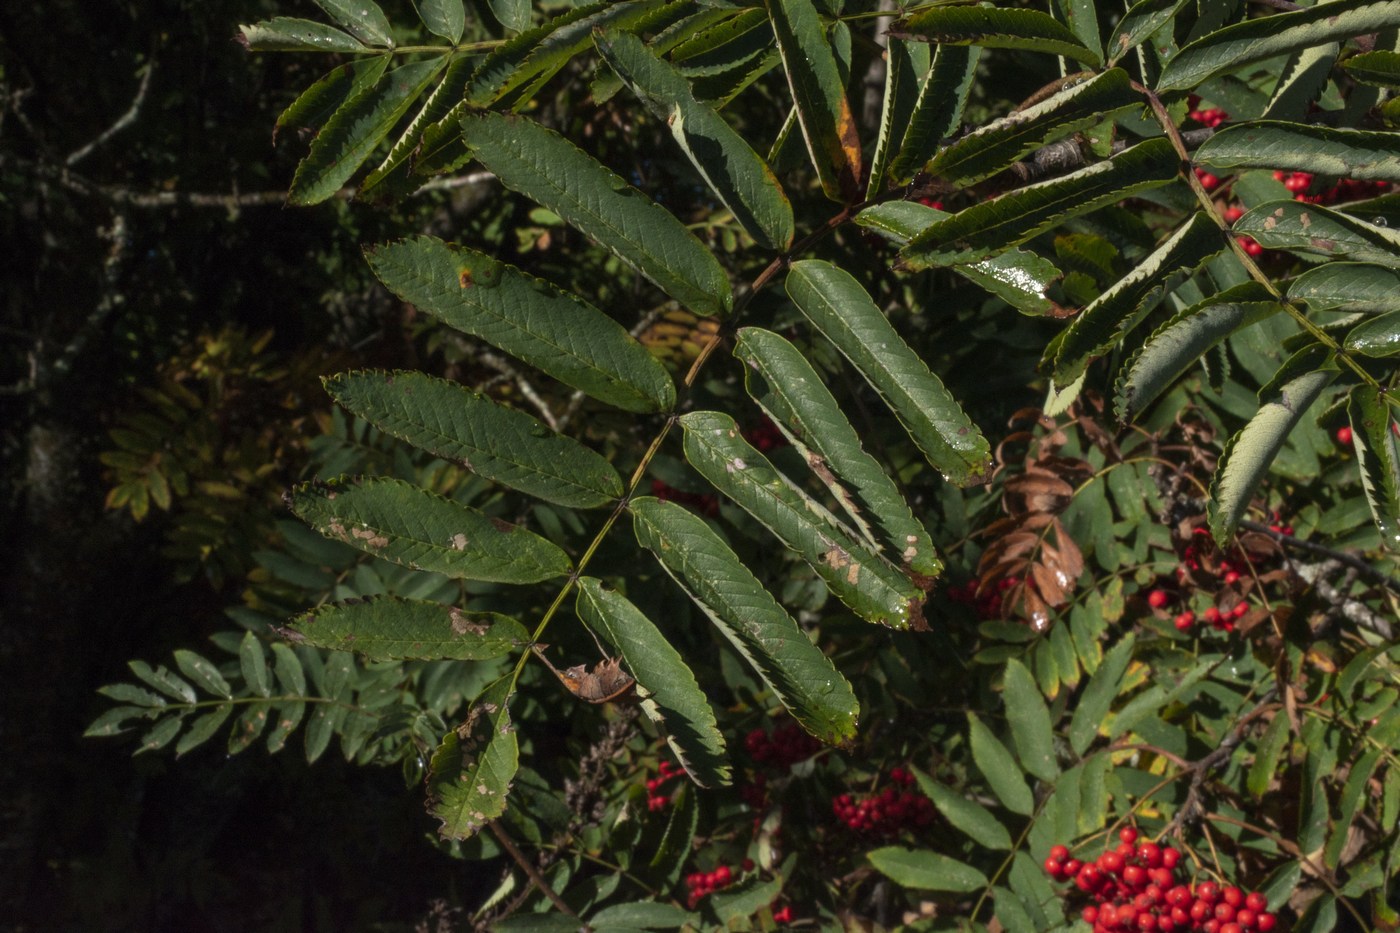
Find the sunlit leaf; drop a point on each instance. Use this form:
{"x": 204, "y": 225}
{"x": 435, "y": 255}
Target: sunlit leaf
{"x": 362, "y": 18}
{"x": 388, "y": 628}
{"x": 938, "y": 110}
{"x": 926, "y": 870}
{"x": 1026, "y": 30}
{"x": 472, "y": 769}
{"x": 1363, "y": 155}
{"x": 1315, "y": 230}
{"x": 287, "y": 34}
{"x": 1378, "y": 458}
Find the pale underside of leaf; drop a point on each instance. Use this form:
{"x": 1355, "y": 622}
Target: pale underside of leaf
{"x": 799, "y": 674}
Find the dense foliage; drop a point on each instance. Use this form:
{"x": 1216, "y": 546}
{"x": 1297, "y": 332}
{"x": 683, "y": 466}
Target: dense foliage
{"x": 1127, "y": 656}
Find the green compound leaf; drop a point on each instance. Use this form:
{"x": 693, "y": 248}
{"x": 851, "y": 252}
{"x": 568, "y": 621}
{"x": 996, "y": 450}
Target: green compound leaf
{"x": 1182, "y": 341}
{"x": 164, "y": 680}
{"x": 493, "y": 441}
{"x": 384, "y": 628}
{"x": 1315, "y": 230}
{"x": 873, "y": 588}
{"x": 526, "y": 61}
{"x": 1093, "y": 707}
{"x": 938, "y": 110}
{"x": 1018, "y": 277}
{"x": 547, "y": 168}
{"x": 801, "y": 677}
{"x": 1142, "y": 20}
{"x": 1377, "y": 338}
{"x": 512, "y": 14}
{"x": 203, "y": 672}
{"x": 528, "y": 318}
{"x": 202, "y": 729}
{"x": 819, "y": 95}
{"x": 472, "y": 769}
{"x": 678, "y": 704}
{"x": 408, "y": 525}
{"x": 796, "y": 399}
{"x": 288, "y": 34}
{"x": 994, "y": 226}
{"x": 999, "y": 769}
{"x": 253, "y": 663}
{"x": 353, "y": 132}
{"x": 446, "y": 18}
{"x": 840, "y": 308}
{"x": 738, "y": 176}
{"x": 720, "y": 45}
{"x": 1026, "y": 30}
{"x": 314, "y": 106}
{"x": 995, "y": 146}
{"x": 1351, "y": 287}
{"x": 395, "y": 175}
{"x": 1378, "y": 458}
{"x": 1246, "y": 458}
{"x": 1104, "y": 321}
{"x": 1380, "y": 68}
{"x": 362, "y": 18}
{"x": 906, "y": 66}
{"x": 1360, "y": 154}
{"x": 1278, "y": 34}
{"x": 926, "y": 870}
{"x": 1031, "y": 730}
{"x": 968, "y": 817}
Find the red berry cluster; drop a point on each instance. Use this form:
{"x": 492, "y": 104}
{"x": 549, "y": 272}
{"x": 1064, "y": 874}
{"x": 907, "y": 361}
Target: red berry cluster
{"x": 887, "y": 813}
{"x": 931, "y": 202}
{"x": 665, "y": 772}
{"x": 786, "y": 746}
{"x": 704, "y": 504}
{"x": 1136, "y": 887}
{"x": 1211, "y": 118}
{"x": 783, "y": 914}
{"x": 703, "y": 883}
{"x": 765, "y": 436}
{"x": 985, "y": 601}
{"x": 1344, "y": 189}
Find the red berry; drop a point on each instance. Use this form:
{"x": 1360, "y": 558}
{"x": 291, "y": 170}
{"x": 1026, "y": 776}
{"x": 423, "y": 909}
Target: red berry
{"x": 1233, "y": 213}
{"x": 1089, "y": 914}
{"x": 1344, "y": 436}
{"x": 1224, "y": 912}
{"x": 1184, "y": 621}
{"x": 1208, "y": 181}
{"x": 1158, "y": 598}
{"x": 722, "y": 875}
{"x": 747, "y": 864}
{"x": 1128, "y": 834}
{"x": 1134, "y": 876}
{"x": 1265, "y": 923}
{"x": 1246, "y": 918}
{"x": 1111, "y": 862}
{"x": 1208, "y": 892}
{"x": 1170, "y": 857}
{"x": 1256, "y": 902}
{"x": 1059, "y": 853}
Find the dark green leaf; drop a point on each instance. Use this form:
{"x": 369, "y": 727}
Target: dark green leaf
{"x": 396, "y": 174}
{"x": 316, "y": 104}
{"x": 1378, "y": 337}
{"x": 819, "y": 95}
{"x": 202, "y": 729}
{"x": 164, "y": 681}
{"x": 1381, "y": 67}
{"x": 906, "y": 67}
{"x": 938, "y": 110}
{"x": 840, "y": 308}
{"x": 926, "y": 870}
{"x": 203, "y": 672}
{"x": 446, "y": 18}
{"x": 362, "y": 18}
{"x": 994, "y": 226}
{"x": 1360, "y": 154}
{"x": 130, "y": 693}
{"x": 1278, "y": 34}
{"x": 1246, "y": 458}
{"x": 1348, "y": 286}
{"x": 797, "y": 672}
{"x": 738, "y": 176}
{"x": 496, "y": 442}
{"x": 1378, "y": 458}
{"x": 744, "y": 899}
{"x": 795, "y": 397}
{"x": 1138, "y": 25}
{"x": 254, "y": 665}
{"x": 1093, "y": 707}
{"x": 999, "y": 769}
{"x": 353, "y": 132}
{"x": 526, "y": 317}
{"x": 248, "y": 727}
{"x": 1183, "y": 340}
{"x": 320, "y": 728}
{"x": 740, "y": 37}
{"x": 512, "y": 14}
{"x": 1026, "y": 30}
{"x": 544, "y": 166}
{"x": 117, "y": 720}
{"x": 287, "y": 667}
{"x": 1083, "y": 20}
{"x": 685, "y": 714}
{"x": 996, "y": 145}
{"x": 408, "y": 525}
{"x": 160, "y": 734}
{"x": 286, "y": 34}
{"x": 1031, "y": 730}
{"x": 285, "y": 719}
{"x": 643, "y": 915}
{"x": 971, "y": 818}
{"x": 388, "y": 628}
{"x": 1104, "y": 320}
{"x": 869, "y": 585}
{"x": 472, "y": 769}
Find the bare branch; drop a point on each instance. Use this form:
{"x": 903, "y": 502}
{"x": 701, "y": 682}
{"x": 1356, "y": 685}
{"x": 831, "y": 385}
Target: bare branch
{"x": 121, "y": 123}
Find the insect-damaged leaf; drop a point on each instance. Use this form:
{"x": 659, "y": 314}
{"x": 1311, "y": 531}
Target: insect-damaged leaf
{"x": 802, "y": 678}
{"x": 1312, "y": 229}
{"x": 526, "y": 317}
{"x": 493, "y": 441}
{"x": 836, "y": 303}
{"x": 819, "y": 94}
{"x": 399, "y": 521}
{"x": 1348, "y": 287}
{"x": 1027, "y": 30}
{"x": 472, "y": 769}
{"x": 544, "y": 166}
{"x": 738, "y": 176}
{"x": 288, "y": 34}
{"x": 384, "y": 628}
{"x": 872, "y": 587}
{"x": 1138, "y": 24}
{"x": 677, "y": 703}
{"x": 1277, "y": 34}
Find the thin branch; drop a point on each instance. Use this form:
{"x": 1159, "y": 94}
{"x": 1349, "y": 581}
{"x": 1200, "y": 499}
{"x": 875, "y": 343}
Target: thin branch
{"x": 1350, "y": 560}
{"x": 502, "y": 365}
{"x": 122, "y": 122}
{"x": 535, "y": 877}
